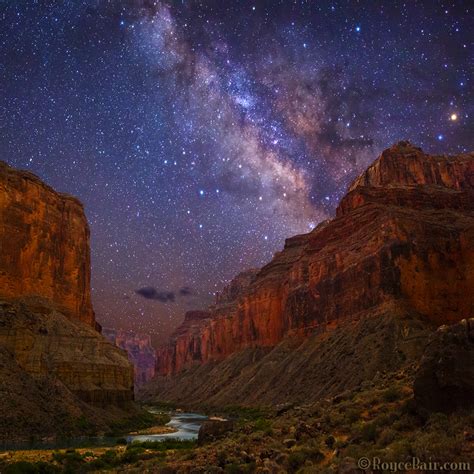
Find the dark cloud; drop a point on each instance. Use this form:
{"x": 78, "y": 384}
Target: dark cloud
{"x": 185, "y": 291}
{"x": 151, "y": 293}
{"x": 164, "y": 296}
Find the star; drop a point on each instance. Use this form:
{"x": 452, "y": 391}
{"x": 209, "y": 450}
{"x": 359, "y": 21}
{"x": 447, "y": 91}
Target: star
{"x": 243, "y": 125}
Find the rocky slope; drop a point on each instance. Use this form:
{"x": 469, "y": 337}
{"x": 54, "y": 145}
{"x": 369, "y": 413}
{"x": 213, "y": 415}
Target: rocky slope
{"x": 400, "y": 247}
{"x": 47, "y": 326}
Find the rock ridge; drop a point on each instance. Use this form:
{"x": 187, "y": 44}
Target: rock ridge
{"x": 402, "y": 235}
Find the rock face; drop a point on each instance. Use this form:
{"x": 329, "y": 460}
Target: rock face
{"x": 402, "y": 238}
{"x": 45, "y": 342}
{"x": 44, "y": 245}
{"x": 47, "y": 323}
{"x": 300, "y": 370}
{"x": 445, "y": 378}
{"x": 140, "y": 352}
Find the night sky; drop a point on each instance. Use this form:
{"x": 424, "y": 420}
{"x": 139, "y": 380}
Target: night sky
{"x": 199, "y": 135}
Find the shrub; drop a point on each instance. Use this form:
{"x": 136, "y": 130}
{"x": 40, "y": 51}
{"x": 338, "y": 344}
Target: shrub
{"x": 295, "y": 461}
{"x": 368, "y": 432}
{"x": 164, "y": 445}
{"x": 392, "y": 394}
{"x": 261, "y": 424}
{"x": 23, "y": 467}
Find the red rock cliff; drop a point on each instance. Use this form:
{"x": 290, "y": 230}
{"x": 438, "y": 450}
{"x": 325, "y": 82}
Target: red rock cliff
{"x": 403, "y": 234}
{"x": 47, "y": 323}
{"x": 44, "y": 245}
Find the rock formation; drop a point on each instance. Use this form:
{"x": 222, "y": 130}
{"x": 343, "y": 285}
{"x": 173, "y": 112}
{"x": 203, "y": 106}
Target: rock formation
{"x": 445, "y": 379}
{"x": 140, "y": 352}
{"x": 43, "y": 341}
{"x": 44, "y": 245}
{"x": 47, "y": 324}
{"x": 402, "y": 241}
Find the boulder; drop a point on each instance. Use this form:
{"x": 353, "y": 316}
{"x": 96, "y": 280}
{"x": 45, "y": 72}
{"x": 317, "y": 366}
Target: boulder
{"x": 445, "y": 379}
{"x": 211, "y": 430}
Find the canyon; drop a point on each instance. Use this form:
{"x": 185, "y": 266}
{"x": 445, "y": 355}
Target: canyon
{"x": 394, "y": 263}
{"x": 139, "y": 350}
{"x": 50, "y": 343}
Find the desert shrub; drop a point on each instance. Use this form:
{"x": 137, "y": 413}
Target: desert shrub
{"x": 391, "y": 394}
{"x": 164, "y": 445}
{"x": 108, "y": 460}
{"x": 246, "y": 413}
{"x": 387, "y": 436}
{"x": 70, "y": 460}
{"x": 296, "y": 459}
{"x": 400, "y": 450}
{"x": 351, "y": 415}
{"x": 83, "y": 424}
{"x": 262, "y": 424}
{"x": 330, "y": 441}
{"x": 438, "y": 422}
{"x": 131, "y": 454}
{"x": 368, "y": 432}
{"x": 235, "y": 468}
{"x": 24, "y": 467}
{"x": 437, "y": 445}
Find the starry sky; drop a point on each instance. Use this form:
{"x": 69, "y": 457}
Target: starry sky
{"x": 200, "y": 134}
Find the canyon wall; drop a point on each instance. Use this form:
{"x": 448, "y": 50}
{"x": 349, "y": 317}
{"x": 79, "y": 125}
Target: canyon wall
{"x": 47, "y": 322}
{"x": 139, "y": 349}
{"x": 403, "y": 237}
{"x": 44, "y": 245}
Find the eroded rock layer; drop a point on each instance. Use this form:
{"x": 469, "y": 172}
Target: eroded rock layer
{"x": 45, "y": 342}
{"x": 402, "y": 236}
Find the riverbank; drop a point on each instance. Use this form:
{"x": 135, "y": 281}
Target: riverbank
{"x": 179, "y": 433}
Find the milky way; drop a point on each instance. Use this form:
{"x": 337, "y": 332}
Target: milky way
{"x": 199, "y": 135}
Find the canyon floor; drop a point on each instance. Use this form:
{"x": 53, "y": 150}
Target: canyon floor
{"x": 377, "y": 420}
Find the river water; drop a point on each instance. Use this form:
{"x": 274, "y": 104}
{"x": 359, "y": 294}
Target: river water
{"x": 186, "y": 425}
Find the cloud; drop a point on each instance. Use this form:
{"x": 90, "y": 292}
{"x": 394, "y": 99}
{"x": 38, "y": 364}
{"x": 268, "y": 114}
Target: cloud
{"x": 185, "y": 291}
{"x": 151, "y": 293}
{"x": 164, "y": 296}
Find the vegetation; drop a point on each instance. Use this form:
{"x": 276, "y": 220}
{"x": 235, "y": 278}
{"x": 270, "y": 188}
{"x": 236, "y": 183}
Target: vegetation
{"x": 376, "y": 420}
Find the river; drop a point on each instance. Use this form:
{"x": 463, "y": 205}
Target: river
{"x": 186, "y": 425}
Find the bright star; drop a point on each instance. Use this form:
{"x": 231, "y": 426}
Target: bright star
{"x": 357, "y": 29}
{"x": 440, "y": 137}
{"x": 453, "y": 117}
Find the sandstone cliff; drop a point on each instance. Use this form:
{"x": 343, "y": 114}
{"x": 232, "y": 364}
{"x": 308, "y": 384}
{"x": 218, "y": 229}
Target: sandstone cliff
{"x": 47, "y": 325}
{"x": 44, "y": 245}
{"x": 402, "y": 240}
